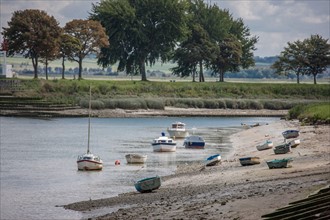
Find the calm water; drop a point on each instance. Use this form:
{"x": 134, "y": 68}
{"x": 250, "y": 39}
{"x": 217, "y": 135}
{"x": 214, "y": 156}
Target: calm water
{"x": 38, "y": 159}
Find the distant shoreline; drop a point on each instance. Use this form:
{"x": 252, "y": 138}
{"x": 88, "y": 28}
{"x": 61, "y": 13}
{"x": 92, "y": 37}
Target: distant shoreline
{"x": 141, "y": 113}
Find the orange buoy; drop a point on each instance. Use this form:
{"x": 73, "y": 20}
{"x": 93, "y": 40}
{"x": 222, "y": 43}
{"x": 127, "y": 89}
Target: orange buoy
{"x": 117, "y": 162}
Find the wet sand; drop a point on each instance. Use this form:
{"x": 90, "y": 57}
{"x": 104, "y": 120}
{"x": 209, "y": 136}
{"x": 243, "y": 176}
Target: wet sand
{"x": 229, "y": 190}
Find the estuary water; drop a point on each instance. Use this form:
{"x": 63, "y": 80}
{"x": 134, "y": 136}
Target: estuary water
{"x": 38, "y": 158}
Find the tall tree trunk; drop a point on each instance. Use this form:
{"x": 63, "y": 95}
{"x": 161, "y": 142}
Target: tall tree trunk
{"x": 221, "y": 75}
{"x": 35, "y": 67}
{"x": 314, "y": 78}
{"x": 63, "y": 67}
{"x": 298, "y": 78}
{"x": 194, "y": 76}
{"x": 80, "y": 69}
{"x": 201, "y": 74}
{"x": 46, "y": 69}
{"x": 143, "y": 70}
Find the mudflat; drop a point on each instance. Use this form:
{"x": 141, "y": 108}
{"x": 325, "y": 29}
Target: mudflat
{"x": 229, "y": 190}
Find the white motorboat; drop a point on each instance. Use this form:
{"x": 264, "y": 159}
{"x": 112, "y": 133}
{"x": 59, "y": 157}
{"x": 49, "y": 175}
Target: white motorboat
{"x": 294, "y": 143}
{"x": 178, "y": 130}
{"x": 89, "y": 161}
{"x": 213, "y": 160}
{"x": 136, "y": 158}
{"x": 164, "y": 144}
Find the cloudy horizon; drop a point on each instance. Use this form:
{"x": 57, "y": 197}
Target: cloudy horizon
{"x": 275, "y": 22}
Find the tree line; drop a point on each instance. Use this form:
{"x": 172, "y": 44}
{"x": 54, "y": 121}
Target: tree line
{"x": 192, "y": 34}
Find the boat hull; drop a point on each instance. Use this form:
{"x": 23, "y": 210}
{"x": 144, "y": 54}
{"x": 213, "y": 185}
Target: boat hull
{"x": 194, "y": 142}
{"x": 290, "y": 134}
{"x": 213, "y": 160}
{"x": 177, "y": 133}
{"x": 89, "y": 165}
{"x": 164, "y": 147}
{"x": 247, "y": 161}
{"x": 267, "y": 145}
{"x": 136, "y": 158}
{"x": 282, "y": 163}
{"x": 282, "y": 149}
{"x": 148, "y": 184}
{"x": 294, "y": 143}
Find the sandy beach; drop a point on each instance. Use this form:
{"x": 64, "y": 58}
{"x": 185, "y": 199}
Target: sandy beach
{"x": 229, "y": 190}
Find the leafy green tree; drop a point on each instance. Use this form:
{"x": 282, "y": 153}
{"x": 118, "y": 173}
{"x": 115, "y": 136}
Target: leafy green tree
{"x": 31, "y": 33}
{"x": 140, "y": 32}
{"x": 91, "y": 36}
{"x": 318, "y": 55}
{"x": 198, "y": 47}
{"x": 308, "y": 57}
{"x": 236, "y": 49}
{"x": 223, "y": 44}
{"x": 292, "y": 59}
{"x": 68, "y": 44}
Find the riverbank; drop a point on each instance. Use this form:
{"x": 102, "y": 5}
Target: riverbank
{"x": 228, "y": 190}
{"x": 167, "y": 112}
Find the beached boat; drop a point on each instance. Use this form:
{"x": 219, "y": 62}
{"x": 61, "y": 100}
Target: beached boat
{"x": 164, "y": 144}
{"x": 213, "y": 160}
{"x": 136, "y": 158}
{"x": 148, "y": 184}
{"x": 282, "y": 148}
{"x": 247, "y": 161}
{"x": 89, "y": 161}
{"x": 267, "y": 145}
{"x": 251, "y": 125}
{"x": 194, "y": 141}
{"x": 294, "y": 143}
{"x": 290, "y": 134}
{"x": 280, "y": 163}
{"x": 178, "y": 130}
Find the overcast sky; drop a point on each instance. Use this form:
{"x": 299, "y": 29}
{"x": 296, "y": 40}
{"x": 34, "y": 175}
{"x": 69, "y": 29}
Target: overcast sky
{"x": 275, "y": 22}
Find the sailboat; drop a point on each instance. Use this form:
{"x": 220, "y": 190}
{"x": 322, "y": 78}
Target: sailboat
{"x": 89, "y": 161}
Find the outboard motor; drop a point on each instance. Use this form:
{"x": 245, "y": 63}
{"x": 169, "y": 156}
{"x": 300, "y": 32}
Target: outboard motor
{"x": 163, "y": 134}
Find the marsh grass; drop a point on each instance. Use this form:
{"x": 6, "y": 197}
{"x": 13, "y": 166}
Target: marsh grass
{"x": 156, "y": 95}
{"x": 312, "y": 113}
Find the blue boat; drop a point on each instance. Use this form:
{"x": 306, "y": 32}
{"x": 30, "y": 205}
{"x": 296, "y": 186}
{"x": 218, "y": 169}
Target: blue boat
{"x": 195, "y": 142}
{"x": 148, "y": 184}
{"x": 290, "y": 134}
{"x": 213, "y": 160}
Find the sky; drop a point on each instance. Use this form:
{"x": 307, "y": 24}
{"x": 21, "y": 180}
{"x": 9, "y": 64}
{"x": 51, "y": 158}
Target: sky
{"x": 275, "y": 22}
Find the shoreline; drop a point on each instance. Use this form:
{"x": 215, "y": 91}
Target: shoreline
{"x": 125, "y": 113}
{"x": 229, "y": 190}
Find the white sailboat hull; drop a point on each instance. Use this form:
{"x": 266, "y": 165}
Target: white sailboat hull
{"x": 89, "y": 165}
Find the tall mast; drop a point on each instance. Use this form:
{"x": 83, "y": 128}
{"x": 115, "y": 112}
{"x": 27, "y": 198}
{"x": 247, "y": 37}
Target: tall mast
{"x": 89, "y": 118}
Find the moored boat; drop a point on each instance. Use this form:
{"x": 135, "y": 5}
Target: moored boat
{"x": 89, "y": 161}
{"x": 280, "y": 163}
{"x": 247, "y": 161}
{"x": 290, "y": 134}
{"x": 136, "y": 158}
{"x": 194, "y": 141}
{"x": 148, "y": 184}
{"x": 282, "y": 148}
{"x": 294, "y": 143}
{"x": 213, "y": 160}
{"x": 267, "y": 145}
{"x": 164, "y": 144}
{"x": 178, "y": 130}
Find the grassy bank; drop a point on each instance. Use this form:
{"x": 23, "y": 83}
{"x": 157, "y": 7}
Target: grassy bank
{"x": 157, "y": 95}
{"x": 318, "y": 113}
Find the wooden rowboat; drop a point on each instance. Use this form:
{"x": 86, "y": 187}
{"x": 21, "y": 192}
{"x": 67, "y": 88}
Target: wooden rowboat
{"x": 247, "y": 161}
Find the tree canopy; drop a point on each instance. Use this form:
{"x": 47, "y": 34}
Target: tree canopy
{"x": 140, "y": 32}
{"x": 34, "y": 34}
{"x": 215, "y": 40}
{"x": 308, "y": 57}
{"x": 91, "y": 36}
